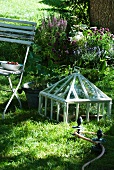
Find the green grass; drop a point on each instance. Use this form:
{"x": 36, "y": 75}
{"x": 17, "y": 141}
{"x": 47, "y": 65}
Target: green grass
{"x": 31, "y": 10}
{"x": 30, "y": 142}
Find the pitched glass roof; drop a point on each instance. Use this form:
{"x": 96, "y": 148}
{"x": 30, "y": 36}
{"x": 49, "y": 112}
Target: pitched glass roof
{"x": 75, "y": 87}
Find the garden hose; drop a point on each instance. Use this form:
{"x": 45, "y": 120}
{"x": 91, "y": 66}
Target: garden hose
{"x": 95, "y": 143}
{"x": 101, "y": 154}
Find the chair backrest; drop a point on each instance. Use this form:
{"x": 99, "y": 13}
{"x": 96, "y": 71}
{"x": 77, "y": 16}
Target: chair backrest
{"x": 17, "y": 31}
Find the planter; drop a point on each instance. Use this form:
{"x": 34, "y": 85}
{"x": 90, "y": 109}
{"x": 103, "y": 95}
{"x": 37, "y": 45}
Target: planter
{"x": 32, "y": 95}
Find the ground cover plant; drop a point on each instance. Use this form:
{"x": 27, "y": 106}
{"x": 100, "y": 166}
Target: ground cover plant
{"x": 30, "y": 142}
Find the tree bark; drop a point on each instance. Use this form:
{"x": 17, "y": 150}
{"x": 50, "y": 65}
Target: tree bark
{"x": 102, "y": 13}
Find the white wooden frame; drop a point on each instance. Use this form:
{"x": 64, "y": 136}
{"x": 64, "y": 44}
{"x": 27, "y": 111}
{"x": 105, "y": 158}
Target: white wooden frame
{"x": 69, "y": 86}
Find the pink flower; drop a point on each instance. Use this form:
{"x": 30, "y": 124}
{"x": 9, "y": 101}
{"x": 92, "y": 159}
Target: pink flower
{"x": 107, "y": 29}
{"x": 67, "y": 52}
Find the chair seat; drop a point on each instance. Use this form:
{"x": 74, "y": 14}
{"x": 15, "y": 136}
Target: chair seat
{"x": 8, "y": 72}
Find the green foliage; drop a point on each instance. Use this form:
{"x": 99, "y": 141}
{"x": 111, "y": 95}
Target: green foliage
{"x": 76, "y": 7}
{"x": 95, "y": 49}
{"x": 101, "y": 38}
{"x": 89, "y": 48}
{"x": 50, "y": 39}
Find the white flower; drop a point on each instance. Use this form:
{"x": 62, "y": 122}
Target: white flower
{"x": 78, "y": 36}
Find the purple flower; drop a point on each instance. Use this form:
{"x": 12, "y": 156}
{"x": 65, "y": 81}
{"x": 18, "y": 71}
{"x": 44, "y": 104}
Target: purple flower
{"x": 54, "y": 19}
{"x": 61, "y": 21}
{"x": 102, "y": 29}
{"x": 50, "y": 24}
{"x": 43, "y": 23}
{"x": 59, "y": 55}
{"x": 107, "y": 29}
{"x": 102, "y": 33}
{"x": 67, "y": 52}
{"x": 53, "y": 50}
{"x": 73, "y": 42}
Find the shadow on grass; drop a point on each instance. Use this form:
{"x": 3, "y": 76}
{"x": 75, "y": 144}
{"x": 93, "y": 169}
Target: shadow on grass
{"x": 48, "y": 163}
{"x": 16, "y": 115}
{"x": 58, "y": 6}
{"x": 27, "y": 160}
{"x": 55, "y": 4}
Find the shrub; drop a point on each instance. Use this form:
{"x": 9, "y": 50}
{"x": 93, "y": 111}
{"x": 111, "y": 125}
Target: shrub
{"x": 89, "y": 48}
{"x": 96, "y": 48}
{"x": 52, "y": 43}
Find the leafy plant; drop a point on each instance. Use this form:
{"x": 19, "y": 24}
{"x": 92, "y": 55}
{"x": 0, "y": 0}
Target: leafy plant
{"x": 99, "y": 41}
{"x": 52, "y": 48}
{"x": 76, "y": 7}
{"x": 101, "y": 38}
{"x": 51, "y": 39}
{"x": 95, "y": 49}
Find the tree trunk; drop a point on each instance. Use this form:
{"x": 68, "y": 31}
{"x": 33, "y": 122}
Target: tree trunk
{"x": 102, "y": 13}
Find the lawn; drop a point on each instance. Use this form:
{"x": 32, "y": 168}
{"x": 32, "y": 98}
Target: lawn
{"x": 28, "y": 10}
{"x": 30, "y": 142}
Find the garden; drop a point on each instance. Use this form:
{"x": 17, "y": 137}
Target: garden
{"x": 64, "y": 42}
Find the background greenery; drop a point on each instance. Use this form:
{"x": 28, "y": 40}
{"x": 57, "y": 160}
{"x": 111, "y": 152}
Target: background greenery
{"x": 30, "y": 142}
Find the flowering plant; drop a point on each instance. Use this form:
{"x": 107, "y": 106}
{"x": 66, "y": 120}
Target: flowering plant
{"x": 96, "y": 48}
{"x": 52, "y": 44}
{"x": 101, "y": 38}
{"x": 56, "y": 45}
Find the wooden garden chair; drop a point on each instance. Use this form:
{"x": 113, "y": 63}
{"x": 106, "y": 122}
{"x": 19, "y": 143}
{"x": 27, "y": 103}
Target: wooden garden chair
{"x": 19, "y": 32}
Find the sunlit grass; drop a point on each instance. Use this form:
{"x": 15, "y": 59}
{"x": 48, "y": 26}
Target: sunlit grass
{"x": 24, "y": 9}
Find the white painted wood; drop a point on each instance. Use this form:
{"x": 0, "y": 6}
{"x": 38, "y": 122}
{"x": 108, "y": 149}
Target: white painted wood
{"x": 39, "y": 108}
{"x": 64, "y": 113}
{"x": 16, "y": 41}
{"x": 17, "y": 21}
{"x": 45, "y": 106}
{"x": 83, "y": 87}
{"x": 98, "y": 111}
{"x": 16, "y": 36}
{"x": 109, "y": 109}
{"x": 87, "y": 111}
{"x": 102, "y": 110}
{"x": 76, "y": 89}
{"x": 67, "y": 112}
{"x": 51, "y": 115}
{"x": 4, "y": 25}
{"x": 64, "y": 84}
{"x": 16, "y": 31}
{"x": 77, "y": 110}
{"x": 58, "y": 110}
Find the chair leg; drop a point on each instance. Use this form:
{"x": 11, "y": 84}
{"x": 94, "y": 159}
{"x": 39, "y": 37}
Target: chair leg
{"x": 13, "y": 90}
{"x": 14, "y": 94}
